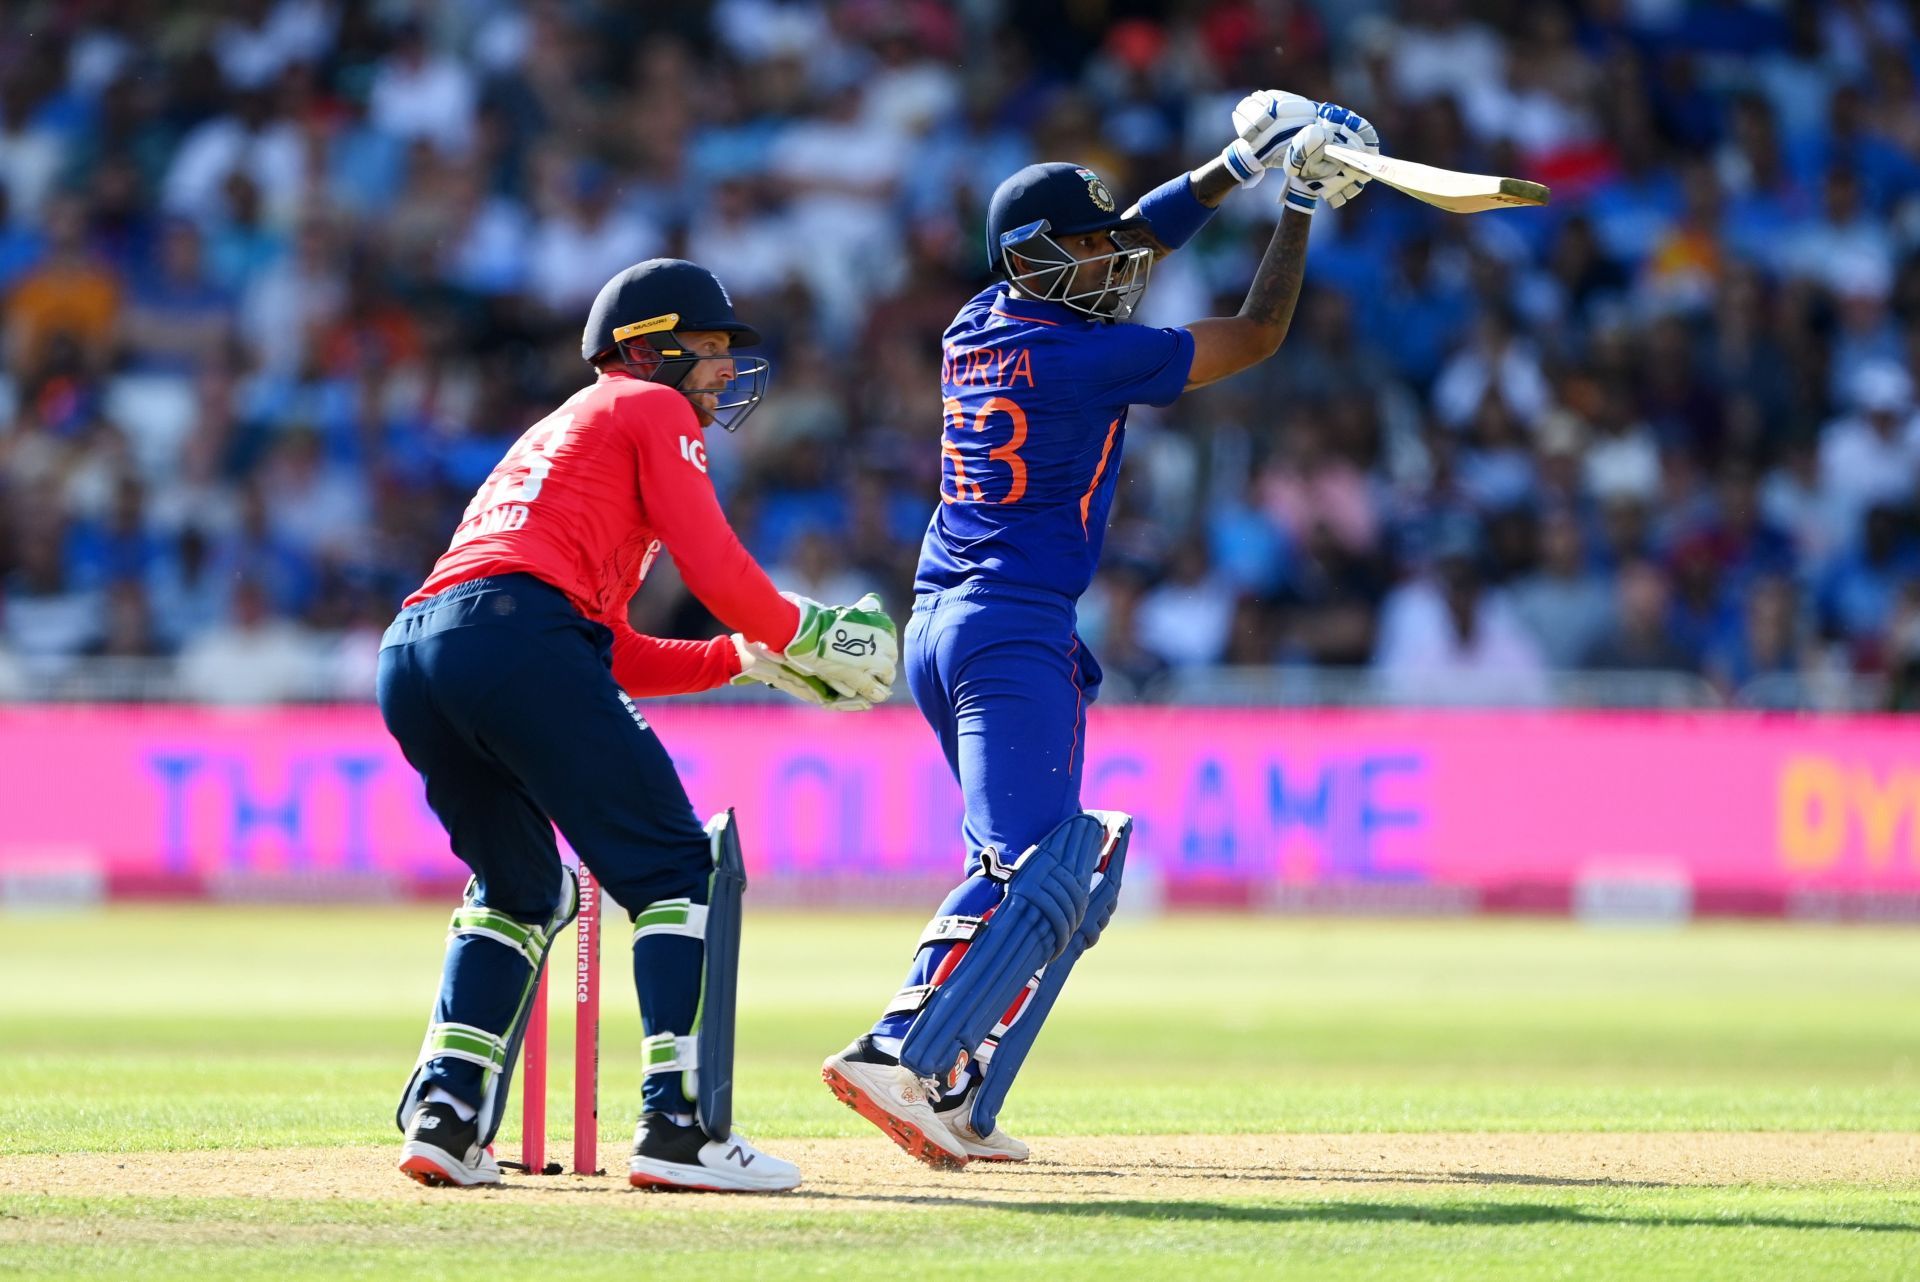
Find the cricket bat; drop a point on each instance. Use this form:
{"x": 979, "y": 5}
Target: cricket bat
{"x": 1442, "y": 188}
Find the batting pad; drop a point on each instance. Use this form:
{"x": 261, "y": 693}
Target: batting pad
{"x": 1046, "y": 898}
{"x": 1017, "y": 1040}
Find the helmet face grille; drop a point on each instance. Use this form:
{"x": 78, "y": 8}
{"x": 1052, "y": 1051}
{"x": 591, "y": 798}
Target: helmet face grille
{"x": 1117, "y": 279}
{"x": 662, "y": 358}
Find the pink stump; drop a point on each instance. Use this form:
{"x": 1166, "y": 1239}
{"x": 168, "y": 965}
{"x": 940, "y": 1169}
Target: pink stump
{"x": 586, "y": 1028}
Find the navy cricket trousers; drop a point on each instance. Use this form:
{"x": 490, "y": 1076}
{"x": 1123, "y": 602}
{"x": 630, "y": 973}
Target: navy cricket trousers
{"x": 502, "y": 696}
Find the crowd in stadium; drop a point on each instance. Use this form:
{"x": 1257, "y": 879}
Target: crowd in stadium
{"x": 281, "y": 279}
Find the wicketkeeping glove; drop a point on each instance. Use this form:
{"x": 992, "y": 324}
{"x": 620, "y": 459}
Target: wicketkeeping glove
{"x": 854, "y": 648}
{"x": 759, "y": 665}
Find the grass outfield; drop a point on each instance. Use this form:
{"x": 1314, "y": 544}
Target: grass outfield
{"x": 209, "y": 1091}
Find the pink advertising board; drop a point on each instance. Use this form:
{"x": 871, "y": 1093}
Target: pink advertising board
{"x": 1235, "y": 807}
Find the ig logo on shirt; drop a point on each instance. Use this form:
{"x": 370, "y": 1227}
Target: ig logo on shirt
{"x": 694, "y": 452}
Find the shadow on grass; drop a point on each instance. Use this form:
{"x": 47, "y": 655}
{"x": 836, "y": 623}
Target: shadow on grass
{"x": 1340, "y": 1175}
{"x": 1489, "y": 1214}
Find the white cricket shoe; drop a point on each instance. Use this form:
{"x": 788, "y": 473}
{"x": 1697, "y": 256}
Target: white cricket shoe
{"x": 667, "y": 1155}
{"x": 995, "y": 1147}
{"x": 874, "y": 1084}
{"x": 443, "y": 1151}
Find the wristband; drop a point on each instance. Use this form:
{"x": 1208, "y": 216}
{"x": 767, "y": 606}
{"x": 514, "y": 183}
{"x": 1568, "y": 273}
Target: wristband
{"x": 1247, "y": 169}
{"x": 1174, "y": 212}
{"x": 1301, "y": 201}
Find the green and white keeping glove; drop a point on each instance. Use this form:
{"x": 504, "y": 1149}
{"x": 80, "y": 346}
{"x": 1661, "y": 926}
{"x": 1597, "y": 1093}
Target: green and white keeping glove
{"x": 853, "y": 648}
{"x": 759, "y": 665}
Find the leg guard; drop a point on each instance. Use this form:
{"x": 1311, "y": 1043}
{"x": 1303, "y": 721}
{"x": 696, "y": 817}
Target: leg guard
{"x": 953, "y": 927}
{"x": 1001, "y": 1060}
{"x": 485, "y": 945}
{"x": 704, "y": 1056}
{"x": 1045, "y": 900}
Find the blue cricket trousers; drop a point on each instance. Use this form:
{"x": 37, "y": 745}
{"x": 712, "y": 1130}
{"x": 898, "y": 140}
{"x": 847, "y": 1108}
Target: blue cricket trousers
{"x": 1001, "y": 676}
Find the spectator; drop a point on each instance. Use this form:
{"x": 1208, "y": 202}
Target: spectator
{"x": 251, "y": 139}
{"x": 1185, "y": 619}
{"x": 1446, "y": 637}
{"x": 1639, "y": 640}
{"x": 256, "y": 658}
{"x": 127, "y": 630}
{"x": 1768, "y": 641}
{"x": 1859, "y": 593}
{"x": 69, "y": 296}
{"x": 417, "y": 93}
{"x": 48, "y": 618}
{"x": 1330, "y": 603}
{"x": 1872, "y": 455}
{"x": 1563, "y": 603}
{"x": 1117, "y": 598}
{"x": 178, "y": 321}
{"x": 280, "y": 283}
{"x": 584, "y": 237}
{"x": 32, "y": 153}
{"x": 816, "y": 569}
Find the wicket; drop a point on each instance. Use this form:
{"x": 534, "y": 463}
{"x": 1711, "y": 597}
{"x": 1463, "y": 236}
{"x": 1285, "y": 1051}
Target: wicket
{"x": 586, "y": 1050}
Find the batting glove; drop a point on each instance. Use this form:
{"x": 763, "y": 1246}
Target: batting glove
{"x": 761, "y": 666}
{"x": 853, "y": 648}
{"x": 1306, "y": 155}
{"x": 1264, "y": 121}
{"x": 1348, "y": 129}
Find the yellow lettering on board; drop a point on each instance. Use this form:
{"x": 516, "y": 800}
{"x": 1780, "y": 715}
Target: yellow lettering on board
{"x": 1813, "y": 813}
{"x": 1880, "y": 808}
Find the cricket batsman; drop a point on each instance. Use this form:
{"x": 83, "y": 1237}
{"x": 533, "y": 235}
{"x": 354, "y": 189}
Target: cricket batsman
{"x": 508, "y": 680}
{"x": 1038, "y": 372}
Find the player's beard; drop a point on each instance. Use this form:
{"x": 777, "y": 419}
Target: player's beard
{"x": 1110, "y": 286}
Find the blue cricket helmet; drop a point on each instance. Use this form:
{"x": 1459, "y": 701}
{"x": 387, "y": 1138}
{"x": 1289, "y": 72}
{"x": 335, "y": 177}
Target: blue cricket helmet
{"x": 639, "y": 316}
{"x": 646, "y": 293}
{"x": 1071, "y": 199}
{"x": 1038, "y": 206}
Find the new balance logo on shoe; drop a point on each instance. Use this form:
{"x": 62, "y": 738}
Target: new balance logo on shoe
{"x": 428, "y": 1122}
{"x": 740, "y": 1155}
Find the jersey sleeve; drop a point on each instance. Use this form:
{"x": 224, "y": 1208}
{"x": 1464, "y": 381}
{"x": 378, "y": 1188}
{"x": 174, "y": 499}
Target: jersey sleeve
{"x": 1133, "y": 364}
{"x": 646, "y": 666}
{"x": 685, "y": 513}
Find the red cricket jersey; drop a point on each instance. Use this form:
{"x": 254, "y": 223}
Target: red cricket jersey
{"x": 585, "y": 500}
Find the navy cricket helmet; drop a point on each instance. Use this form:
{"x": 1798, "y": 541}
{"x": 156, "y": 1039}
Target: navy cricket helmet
{"x": 640, "y": 315}
{"x": 1037, "y": 207}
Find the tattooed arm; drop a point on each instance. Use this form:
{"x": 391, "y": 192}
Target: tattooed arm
{"x": 1225, "y": 345}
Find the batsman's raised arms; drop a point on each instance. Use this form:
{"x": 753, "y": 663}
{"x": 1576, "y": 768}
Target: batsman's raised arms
{"x": 853, "y": 648}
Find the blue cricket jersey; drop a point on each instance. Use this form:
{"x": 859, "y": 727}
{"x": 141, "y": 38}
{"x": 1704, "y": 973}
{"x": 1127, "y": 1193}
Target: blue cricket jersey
{"x": 1035, "y": 399}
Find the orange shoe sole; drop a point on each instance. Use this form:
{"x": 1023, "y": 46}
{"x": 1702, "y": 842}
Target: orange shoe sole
{"x": 425, "y": 1171}
{"x": 901, "y": 1132}
{"x": 641, "y": 1180}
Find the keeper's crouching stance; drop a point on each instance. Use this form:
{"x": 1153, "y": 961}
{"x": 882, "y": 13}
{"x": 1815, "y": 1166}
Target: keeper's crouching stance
{"x": 507, "y": 680}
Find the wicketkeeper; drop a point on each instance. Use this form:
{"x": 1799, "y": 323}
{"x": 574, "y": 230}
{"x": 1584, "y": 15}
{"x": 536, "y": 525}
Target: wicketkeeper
{"x": 508, "y": 680}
